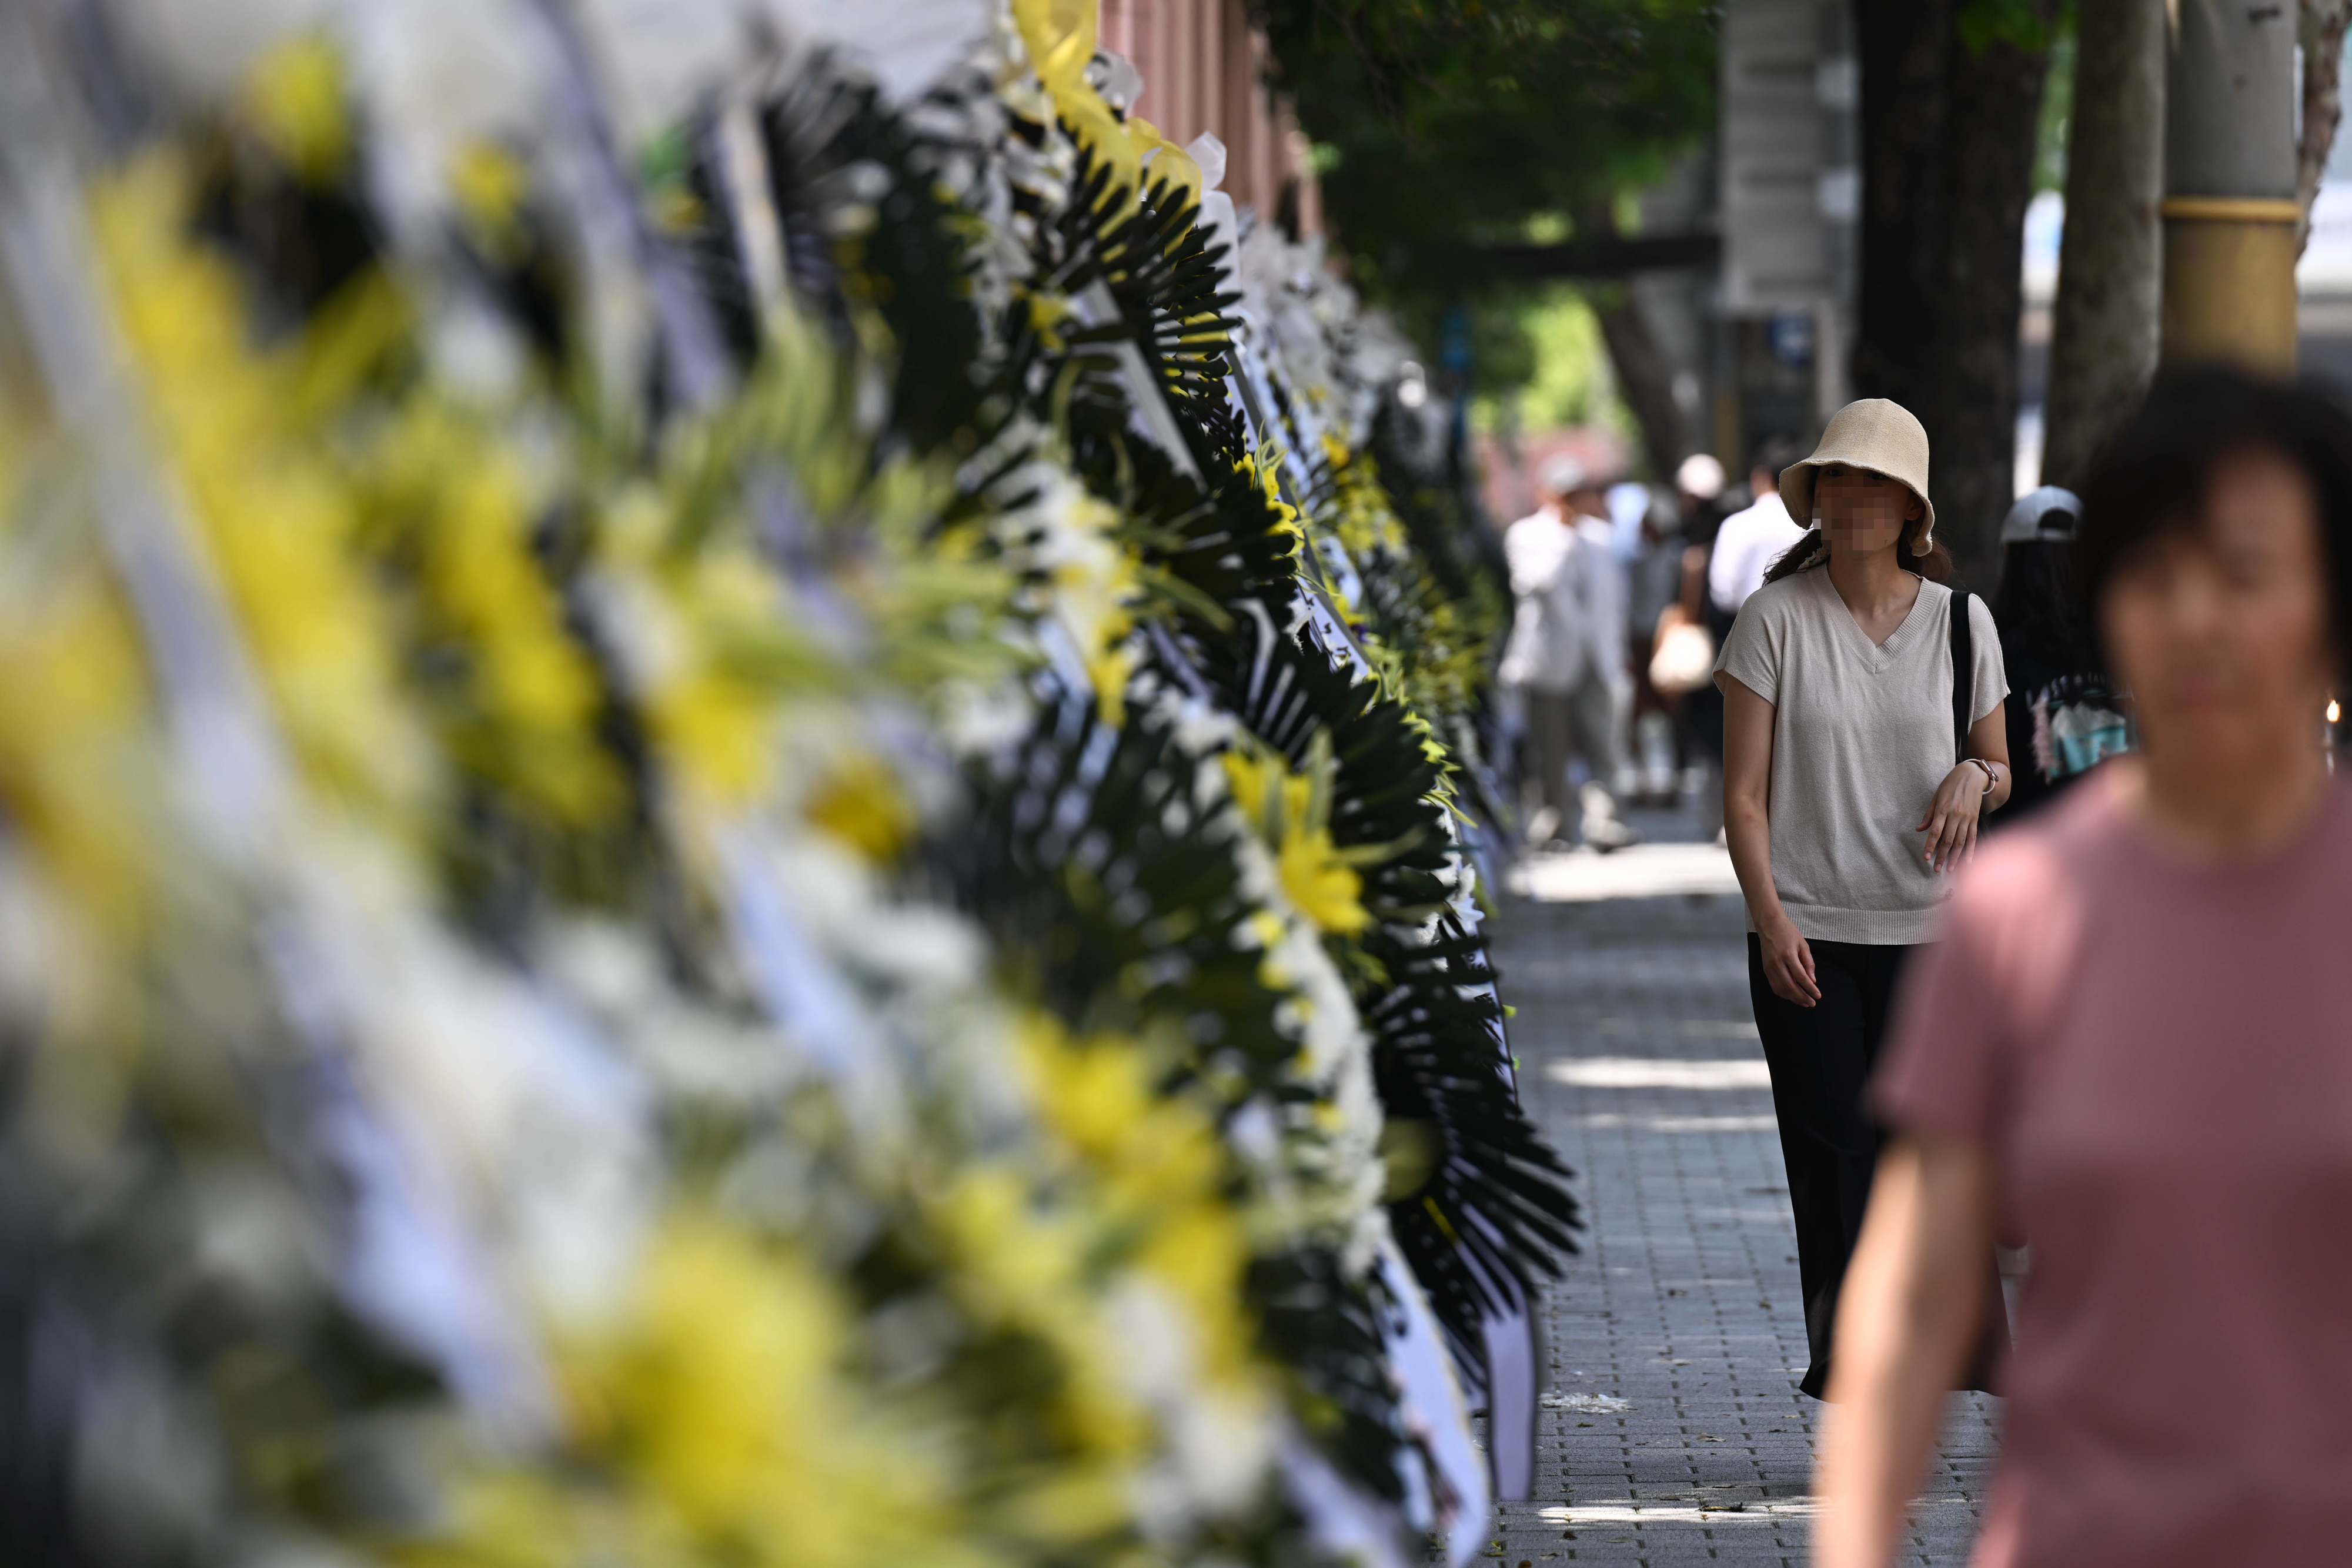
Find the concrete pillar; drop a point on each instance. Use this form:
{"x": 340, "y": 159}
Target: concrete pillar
{"x": 1237, "y": 102}
{"x": 1267, "y": 151}
{"x": 2230, "y": 208}
{"x": 1175, "y": 113}
{"x": 1115, "y": 27}
{"x": 1208, "y": 85}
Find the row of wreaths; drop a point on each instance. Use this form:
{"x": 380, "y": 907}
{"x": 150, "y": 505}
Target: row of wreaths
{"x": 739, "y": 799}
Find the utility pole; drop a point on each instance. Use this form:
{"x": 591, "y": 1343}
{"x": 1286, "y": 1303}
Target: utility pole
{"x": 2230, "y": 216}
{"x": 2104, "y": 334}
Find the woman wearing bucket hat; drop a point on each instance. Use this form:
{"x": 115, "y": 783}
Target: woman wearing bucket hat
{"x": 1862, "y": 741}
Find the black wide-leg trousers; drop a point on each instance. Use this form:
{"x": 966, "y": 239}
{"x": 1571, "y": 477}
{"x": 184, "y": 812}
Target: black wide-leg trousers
{"x": 1821, "y": 1059}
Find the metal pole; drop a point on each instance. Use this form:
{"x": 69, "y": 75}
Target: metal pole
{"x": 2230, "y": 207}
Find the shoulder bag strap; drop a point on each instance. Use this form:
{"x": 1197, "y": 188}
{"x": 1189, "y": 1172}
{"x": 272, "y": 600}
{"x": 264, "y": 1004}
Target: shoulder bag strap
{"x": 1964, "y": 674}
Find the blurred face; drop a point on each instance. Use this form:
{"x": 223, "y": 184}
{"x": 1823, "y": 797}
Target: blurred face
{"x": 2221, "y": 631}
{"x": 1861, "y": 512}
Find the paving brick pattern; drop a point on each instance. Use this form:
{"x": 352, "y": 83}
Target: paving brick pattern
{"x": 1638, "y": 1054}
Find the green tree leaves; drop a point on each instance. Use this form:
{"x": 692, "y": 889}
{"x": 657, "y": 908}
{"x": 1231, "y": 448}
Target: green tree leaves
{"x": 1444, "y": 124}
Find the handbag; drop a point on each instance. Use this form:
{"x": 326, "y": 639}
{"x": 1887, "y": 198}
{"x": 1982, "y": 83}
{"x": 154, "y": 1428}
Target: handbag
{"x": 1683, "y": 659}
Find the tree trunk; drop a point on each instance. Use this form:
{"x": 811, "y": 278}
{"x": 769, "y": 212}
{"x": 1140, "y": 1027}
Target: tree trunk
{"x": 1645, "y": 378}
{"x": 2104, "y": 338}
{"x": 1992, "y": 108}
{"x": 1948, "y": 144}
{"x": 1900, "y": 45}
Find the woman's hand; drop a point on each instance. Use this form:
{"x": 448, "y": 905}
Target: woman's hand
{"x": 1788, "y": 964}
{"x": 1951, "y": 823}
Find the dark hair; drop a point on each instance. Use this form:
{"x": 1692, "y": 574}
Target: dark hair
{"x": 2151, "y": 478}
{"x": 2038, "y": 608}
{"x": 1774, "y": 453}
{"x": 1812, "y": 551}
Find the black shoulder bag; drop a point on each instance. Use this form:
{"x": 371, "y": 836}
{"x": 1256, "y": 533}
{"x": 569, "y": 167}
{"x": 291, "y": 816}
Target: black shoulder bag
{"x": 1964, "y": 674}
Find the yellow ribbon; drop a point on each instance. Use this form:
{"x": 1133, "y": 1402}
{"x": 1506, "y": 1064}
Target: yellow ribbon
{"x": 1060, "y": 35}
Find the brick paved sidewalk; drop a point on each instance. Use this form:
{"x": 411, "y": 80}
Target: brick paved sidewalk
{"x": 1673, "y": 1432}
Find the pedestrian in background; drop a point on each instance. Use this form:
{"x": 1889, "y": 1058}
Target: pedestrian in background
{"x": 1604, "y": 557}
{"x": 1565, "y": 660}
{"x": 1698, "y": 495}
{"x": 1655, "y": 582}
{"x": 1744, "y": 543}
{"x": 1698, "y": 487}
{"x": 1749, "y": 541}
{"x": 2065, "y": 717}
{"x": 1862, "y": 740}
{"x": 2129, "y": 1048}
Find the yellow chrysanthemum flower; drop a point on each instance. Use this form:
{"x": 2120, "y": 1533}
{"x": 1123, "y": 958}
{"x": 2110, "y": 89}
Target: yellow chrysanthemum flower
{"x": 719, "y": 1421}
{"x": 1260, "y": 470}
{"x": 276, "y": 515}
{"x": 487, "y": 184}
{"x": 862, "y": 804}
{"x": 1291, "y": 812}
{"x": 1159, "y": 1168}
{"x": 294, "y": 101}
{"x": 72, "y": 716}
{"x": 443, "y": 491}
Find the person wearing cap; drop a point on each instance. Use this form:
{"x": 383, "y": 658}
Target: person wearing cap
{"x": 1566, "y": 657}
{"x": 1848, "y": 792}
{"x": 1698, "y": 481}
{"x": 2065, "y": 717}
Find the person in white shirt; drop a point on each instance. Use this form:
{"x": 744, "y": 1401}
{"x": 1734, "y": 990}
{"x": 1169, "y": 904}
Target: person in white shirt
{"x": 1565, "y": 654}
{"x": 1750, "y": 541}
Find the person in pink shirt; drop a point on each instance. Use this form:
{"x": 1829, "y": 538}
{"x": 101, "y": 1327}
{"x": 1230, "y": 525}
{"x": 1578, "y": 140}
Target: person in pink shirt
{"x": 2131, "y": 1047}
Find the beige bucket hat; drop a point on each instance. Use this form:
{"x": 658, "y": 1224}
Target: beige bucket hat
{"x": 1874, "y": 433}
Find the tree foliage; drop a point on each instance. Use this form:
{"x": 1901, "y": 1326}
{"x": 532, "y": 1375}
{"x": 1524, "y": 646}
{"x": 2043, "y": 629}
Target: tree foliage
{"x": 1442, "y": 124}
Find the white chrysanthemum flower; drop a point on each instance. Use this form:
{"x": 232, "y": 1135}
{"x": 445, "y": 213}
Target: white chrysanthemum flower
{"x": 1093, "y": 575}
{"x": 501, "y": 1148}
{"x": 976, "y": 720}
{"x": 1329, "y": 1031}
{"x": 1198, "y": 727}
{"x": 922, "y": 947}
{"x": 1367, "y": 1234}
{"x": 1261, "y": 883}
{"x": 1335, "y": 1142}
{"x": 1220, "y": 1438}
